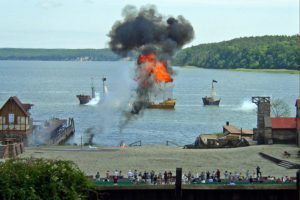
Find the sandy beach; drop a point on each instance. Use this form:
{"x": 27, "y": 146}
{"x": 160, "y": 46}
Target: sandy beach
{"x": 160, "y": 158}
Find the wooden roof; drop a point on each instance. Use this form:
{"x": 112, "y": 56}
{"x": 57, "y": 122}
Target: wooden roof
{"x": 24, "y": 107}
{"x": 233, "y": 130}
{"x": 205, "y": 137}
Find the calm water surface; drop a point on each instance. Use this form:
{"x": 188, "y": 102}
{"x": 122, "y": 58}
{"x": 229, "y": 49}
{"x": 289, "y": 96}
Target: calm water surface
{"x": 52, "y": 88}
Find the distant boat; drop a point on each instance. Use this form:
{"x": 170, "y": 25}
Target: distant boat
{"x": 212, "y": 99}
{"x": 168, "y": 103}
{"x": 83, "y": 99}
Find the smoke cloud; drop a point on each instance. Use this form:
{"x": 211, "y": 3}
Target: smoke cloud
{"x": 153, "y": 36}
{"x": 148, "y": 31}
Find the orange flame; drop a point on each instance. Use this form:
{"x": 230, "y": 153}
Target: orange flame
{"x": 151, "y": 65}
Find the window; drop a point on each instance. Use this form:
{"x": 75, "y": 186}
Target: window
{"x": 11, "y": 118}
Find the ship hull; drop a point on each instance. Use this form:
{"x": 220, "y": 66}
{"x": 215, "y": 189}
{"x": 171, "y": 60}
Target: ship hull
{"x": 83, "y": 99}
{"x": 167, "y": 104}
{"x": 208, "y": 101}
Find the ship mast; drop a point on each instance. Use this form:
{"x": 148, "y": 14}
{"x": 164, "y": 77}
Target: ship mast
{"x": 103, "y": 80}
{"x": 93, "y": 88}
{"x": 164, "y": 92}
{"x": 213, "y": 91}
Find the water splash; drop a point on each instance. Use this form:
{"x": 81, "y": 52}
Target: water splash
{"x": 94, "y": 101}
{"x": 247, "y": 106}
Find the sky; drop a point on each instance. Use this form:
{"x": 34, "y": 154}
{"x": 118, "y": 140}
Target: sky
{"x": 86, "y": 23}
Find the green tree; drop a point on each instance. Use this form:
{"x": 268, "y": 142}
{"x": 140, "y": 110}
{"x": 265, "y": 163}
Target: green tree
{"x": 279, "y": 108}
{"x": 30, "y": 178}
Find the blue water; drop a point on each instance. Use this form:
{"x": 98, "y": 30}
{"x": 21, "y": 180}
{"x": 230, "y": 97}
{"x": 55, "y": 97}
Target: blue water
{"x": 52, "y": 88}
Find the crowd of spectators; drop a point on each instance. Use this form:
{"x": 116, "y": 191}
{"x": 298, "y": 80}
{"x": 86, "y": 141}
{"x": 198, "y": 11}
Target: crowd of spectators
{"x": 164, "y": 178}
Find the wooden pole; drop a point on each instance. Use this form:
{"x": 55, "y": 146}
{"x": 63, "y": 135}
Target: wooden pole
{"x": 178, "y": 192}
{"x": 297, "y": 183}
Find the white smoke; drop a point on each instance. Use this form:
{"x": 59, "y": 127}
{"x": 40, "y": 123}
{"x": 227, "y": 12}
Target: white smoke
{"x": 247, "y": 106}
{"x": 114, "y": 103}
{"x": 94, "y": 101}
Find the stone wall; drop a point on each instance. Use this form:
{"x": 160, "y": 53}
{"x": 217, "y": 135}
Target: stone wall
{"x": 263, "y": 111}
{"x": 194, "y": 192}
{"x": 284, "y": 136}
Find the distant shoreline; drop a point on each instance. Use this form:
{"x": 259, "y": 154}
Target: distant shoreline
{"x": 267, "y": 70}
{"x": 250, "y": 70}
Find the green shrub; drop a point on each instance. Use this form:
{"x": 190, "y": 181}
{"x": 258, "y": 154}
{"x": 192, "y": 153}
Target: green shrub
{"x": 30, "y": 178}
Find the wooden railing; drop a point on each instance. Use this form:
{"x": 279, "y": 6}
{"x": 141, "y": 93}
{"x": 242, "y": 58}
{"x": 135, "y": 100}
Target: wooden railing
{"x": 4, "y": 152}
{"x": 136, "y": 143}
{"x": 167, "y": 143}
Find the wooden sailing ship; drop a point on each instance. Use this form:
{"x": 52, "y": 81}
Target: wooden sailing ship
{"x": 166, "y": 104}
{"x": 212, "y": 99}
{"x": 83, "y": 99}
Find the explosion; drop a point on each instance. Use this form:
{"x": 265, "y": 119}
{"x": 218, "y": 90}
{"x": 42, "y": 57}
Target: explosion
{"x": 150, "y": 65}
{"x": 156, "y": 38}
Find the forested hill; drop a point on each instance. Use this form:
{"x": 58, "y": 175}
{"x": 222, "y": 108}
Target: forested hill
{"x": 58, "y": 54}
{"x": 265, "y": 52}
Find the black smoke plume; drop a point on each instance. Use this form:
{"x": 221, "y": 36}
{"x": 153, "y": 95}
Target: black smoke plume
{"x": 146, "y": 31}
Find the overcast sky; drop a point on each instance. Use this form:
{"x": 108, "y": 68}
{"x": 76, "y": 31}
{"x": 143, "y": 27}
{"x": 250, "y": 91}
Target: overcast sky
{"x": 86, "y": 23}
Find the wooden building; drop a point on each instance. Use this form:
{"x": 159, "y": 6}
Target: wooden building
{"x": 278, "y": 130}
{"x": 15, "y": 122}
{"x": 231, "y": 131}
{"x": 284, "y": 130}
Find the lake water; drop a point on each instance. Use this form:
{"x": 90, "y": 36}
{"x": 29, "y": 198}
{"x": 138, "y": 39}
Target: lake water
{"x": 52, "y": 88}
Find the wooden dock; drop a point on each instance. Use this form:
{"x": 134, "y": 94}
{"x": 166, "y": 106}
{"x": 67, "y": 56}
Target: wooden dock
{"x": 63, "y": 134}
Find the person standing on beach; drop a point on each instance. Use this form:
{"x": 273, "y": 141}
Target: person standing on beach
{"x": 202, "y": 176}
{"x": 130, "y": 175}
{"x": 230, "y": 177}
{"x": 226, "y": 177}
{"x": 152, "y": 176}
{"x": 166, "y": 177}
{"x": 135, "y": 173}
{"x": 116, "y": 173}
{"x": 258, "y": 172}
{"x": 189, "y": 176}
{"x": 218, "y": 174}
{"x": 107, "y": 175}
{"x": 97, "y": 176}
{"x": 207, "y": 175}
{"x": 196, "y": 177}
{"x": 255, "y": 176}
{"x": 155, "y": 180}
{"x": 160, "y": 178}
{"x": 169, "y": 177}
{"x": 247, "y": 174}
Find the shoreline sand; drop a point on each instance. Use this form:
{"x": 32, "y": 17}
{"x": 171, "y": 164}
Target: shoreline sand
{"x": 160, "y": 158}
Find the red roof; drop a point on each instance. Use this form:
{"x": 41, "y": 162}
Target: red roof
{"x": 283, "y": 122}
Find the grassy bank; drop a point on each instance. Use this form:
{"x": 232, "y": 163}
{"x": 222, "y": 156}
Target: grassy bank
{"x": 251, "y": 70}
{"x": 267, "y": 70}
{"x": 189, "y": 67}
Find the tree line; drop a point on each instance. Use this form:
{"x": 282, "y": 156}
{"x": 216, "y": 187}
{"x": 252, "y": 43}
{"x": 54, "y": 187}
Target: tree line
{"x": 260, "y": 52}
{"x": 58, "y": 54}
{"x": 263, "y": 52}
